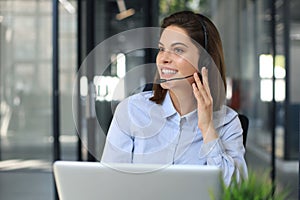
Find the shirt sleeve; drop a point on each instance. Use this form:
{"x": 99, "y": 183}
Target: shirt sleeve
{"x": 119, "y": 144}
{"x": 227, "y": 152}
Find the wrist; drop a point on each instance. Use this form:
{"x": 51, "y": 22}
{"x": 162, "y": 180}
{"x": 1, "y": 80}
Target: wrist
{"x": 210, "y": 134}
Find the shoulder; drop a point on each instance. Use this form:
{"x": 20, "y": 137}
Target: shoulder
{"x": 230, "y": 113}
{"x": 136, "y": 103}
{"x": 138, "y": 111}
{"x": 143, "y": 97}
{"x": 231, "y": 116}
{"x": 229, "y": 125}
{"x": 225, "y": 116}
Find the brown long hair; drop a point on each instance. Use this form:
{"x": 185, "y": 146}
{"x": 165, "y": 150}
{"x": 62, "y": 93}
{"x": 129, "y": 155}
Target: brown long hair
{"x": 203, "y": 32}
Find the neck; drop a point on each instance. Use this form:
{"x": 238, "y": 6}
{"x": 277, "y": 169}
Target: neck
{"x": 183, "y": 100}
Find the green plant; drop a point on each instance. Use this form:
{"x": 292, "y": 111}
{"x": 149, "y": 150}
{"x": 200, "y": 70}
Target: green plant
{"x": 256, "y": 187}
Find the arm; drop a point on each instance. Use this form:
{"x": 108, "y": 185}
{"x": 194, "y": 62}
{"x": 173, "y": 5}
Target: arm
{"x": 119, "y": 144}
{"x": 227, "y": 152}
{"x": 223, "y": 146}
{"x": 204, "y": 106}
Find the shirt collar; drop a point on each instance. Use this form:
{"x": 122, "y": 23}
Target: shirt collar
{"x": 168, "y": 107}
{"x": 191, "y": 117}
{"x": 169, "y": 110}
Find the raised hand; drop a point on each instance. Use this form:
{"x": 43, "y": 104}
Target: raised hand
{"x": 204, "y": 106}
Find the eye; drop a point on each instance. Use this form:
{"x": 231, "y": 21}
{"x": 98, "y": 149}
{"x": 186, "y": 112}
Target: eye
{"x": 160, "y": 49}
{"x": 178, "y": 50}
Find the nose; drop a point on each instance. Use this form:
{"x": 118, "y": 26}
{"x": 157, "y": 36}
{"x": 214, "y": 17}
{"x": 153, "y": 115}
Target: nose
{"x": 164, "y": 56}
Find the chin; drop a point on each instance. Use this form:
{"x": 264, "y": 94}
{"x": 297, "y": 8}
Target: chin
{"x": 167, "y": 85}
{"x": 174, "y": 84}
{"x": 181, "y": 85}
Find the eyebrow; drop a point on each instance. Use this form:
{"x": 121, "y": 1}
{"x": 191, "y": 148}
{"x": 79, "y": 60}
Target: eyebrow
{"x": 174, "y": 44}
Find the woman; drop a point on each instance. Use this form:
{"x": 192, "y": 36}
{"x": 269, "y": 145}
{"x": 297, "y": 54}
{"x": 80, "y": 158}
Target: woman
{"x": 184, "y": 119}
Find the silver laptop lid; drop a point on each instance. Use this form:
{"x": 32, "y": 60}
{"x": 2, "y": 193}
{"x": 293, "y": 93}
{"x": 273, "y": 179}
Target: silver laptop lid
{"x": 93, "y": 180}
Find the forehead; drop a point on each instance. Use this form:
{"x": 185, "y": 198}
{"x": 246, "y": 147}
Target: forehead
{"x": 174, "y": 34}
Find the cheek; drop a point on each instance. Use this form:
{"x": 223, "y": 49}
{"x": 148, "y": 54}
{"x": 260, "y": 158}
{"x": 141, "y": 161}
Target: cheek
{"x": 157, "y": 62}
{"x": 194, "y": 62}
{"x": 160, "y": 58}
{"x": 157, "y": 58}
{"x": 189, "y": 65}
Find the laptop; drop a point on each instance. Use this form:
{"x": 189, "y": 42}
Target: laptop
{"x": 95, "y": 180}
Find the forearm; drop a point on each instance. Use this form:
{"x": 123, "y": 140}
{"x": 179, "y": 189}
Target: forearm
{"x": 230, "y": 161}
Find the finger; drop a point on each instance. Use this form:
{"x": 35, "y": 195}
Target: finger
{"x": 198, "y": 81}
{"x": 200, "y": 85}
{"x": 197, "y": 93}
{"x": 204, "y": 72}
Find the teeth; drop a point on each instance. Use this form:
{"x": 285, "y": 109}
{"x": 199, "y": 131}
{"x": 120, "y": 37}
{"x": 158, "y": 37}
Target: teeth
{"x": 168, "y": 71}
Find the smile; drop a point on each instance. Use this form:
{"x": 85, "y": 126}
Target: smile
{"x": 168, "y": 71}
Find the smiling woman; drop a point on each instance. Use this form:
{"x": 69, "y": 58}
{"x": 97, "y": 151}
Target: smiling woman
{"x": 177, "y": 57}
{"x": 184, "y": 119}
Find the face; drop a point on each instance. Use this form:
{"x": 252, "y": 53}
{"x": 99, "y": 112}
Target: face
{"x": 178, "y": 57}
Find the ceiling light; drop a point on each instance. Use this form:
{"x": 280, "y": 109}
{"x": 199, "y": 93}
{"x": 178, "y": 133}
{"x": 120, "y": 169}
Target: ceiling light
{"x": 68, "y": 6}
{"x": 124, "y": 13}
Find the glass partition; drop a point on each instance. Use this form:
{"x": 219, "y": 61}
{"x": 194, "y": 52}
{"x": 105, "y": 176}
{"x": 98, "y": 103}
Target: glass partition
{"x": 26, "y": 80}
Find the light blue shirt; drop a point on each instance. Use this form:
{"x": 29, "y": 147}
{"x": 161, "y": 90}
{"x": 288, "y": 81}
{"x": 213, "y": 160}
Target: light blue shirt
{"x": 142, "y": 131}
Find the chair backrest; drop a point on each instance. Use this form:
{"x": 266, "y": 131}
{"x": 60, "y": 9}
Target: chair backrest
{"x": 245, "y": 124}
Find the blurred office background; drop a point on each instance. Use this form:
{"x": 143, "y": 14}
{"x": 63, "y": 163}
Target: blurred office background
{"x": 35, "y": 130}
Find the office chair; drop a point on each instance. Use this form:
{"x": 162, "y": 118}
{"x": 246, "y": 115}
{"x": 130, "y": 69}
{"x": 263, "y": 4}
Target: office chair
{"x": 245, "y": 124}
